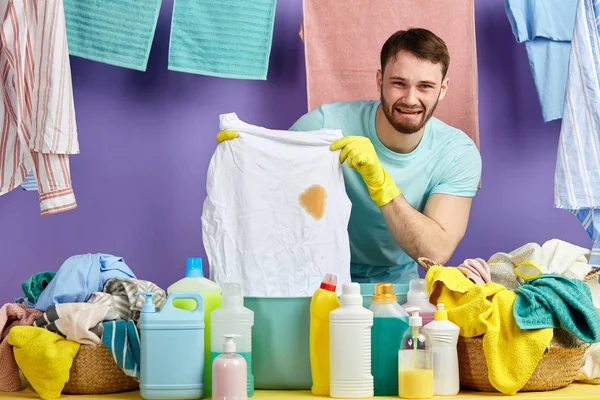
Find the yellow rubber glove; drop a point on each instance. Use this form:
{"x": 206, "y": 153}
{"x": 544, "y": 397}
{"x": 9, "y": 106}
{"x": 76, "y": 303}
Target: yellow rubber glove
{"x": 360, "y": 154}
{"x": 227, "y": 134}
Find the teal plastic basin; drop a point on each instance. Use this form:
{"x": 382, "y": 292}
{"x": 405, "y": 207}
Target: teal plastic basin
{"x": 280, "y": 339}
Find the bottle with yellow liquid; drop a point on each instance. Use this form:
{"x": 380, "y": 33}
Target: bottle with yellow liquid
{"x": 323, "y": 302}
{"x": 195, "y": 281}
{"x": 415, "y": 360}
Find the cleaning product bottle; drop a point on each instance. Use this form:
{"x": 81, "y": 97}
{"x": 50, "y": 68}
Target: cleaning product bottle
{"x": 418, "y": 296}
{"x": 444, "y": 337}
{"x": 324, "y": 301}
{"x": 350, "y": 343}
{"x": 415, "y": 374}
{"x": 389, "y": 323}
{"x": 233, "y": 318}
{"x": 229, "y": 369}
{"x": 195, "y": 281}
{"x": 172, "y": 349}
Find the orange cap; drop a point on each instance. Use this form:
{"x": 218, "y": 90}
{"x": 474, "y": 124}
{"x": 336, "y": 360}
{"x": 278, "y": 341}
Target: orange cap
{"x": 384, "y": 291}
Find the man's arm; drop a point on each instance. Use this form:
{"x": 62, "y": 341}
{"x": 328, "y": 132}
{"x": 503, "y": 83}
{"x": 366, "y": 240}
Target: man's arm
{"x": 436, "y": 232}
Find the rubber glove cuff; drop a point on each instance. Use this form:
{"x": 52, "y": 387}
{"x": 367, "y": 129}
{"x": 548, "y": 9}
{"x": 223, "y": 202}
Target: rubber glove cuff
{"x": 385, "y": 192}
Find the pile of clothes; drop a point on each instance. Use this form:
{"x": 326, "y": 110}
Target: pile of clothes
{"x": 516, "y": 300}
{"x": 93, "y": 299}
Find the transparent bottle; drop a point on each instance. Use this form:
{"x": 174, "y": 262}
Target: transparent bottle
{"x": 415, "y": 360}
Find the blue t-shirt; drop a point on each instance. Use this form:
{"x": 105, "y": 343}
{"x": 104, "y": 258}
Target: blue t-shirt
{"x": 445, "y": 161}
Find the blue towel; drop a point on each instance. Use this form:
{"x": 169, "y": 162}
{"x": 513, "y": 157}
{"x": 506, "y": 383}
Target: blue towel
{"x": 224, "y": 38}
{"x": 121, "y": 338}
{"x": 117, "y": 32}
{"x": 554, "y": 301}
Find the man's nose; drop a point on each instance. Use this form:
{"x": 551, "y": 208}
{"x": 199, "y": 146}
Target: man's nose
{"x": 410, "y": 97}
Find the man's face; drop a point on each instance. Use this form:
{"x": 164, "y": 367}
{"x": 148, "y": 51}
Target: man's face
{"x": 410, "y": 90}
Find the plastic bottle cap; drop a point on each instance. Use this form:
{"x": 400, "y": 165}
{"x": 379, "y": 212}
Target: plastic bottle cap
{"x": 194, "y": 268}
{"x": 440, "y": 314}
{"x": 148, "y": 306}
{"x": 384, "y": 291}
{"x": 414, "y": 319}
{"x": 232, "y": 295}
{"x": 417, "y": 290}
{"x": 229, "y": 343}
{"x": 329, "y": 282}
{"x": 351, "y": 295}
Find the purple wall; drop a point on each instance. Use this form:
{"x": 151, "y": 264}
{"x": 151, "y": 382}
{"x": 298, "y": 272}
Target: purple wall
{"x": 146, "y": 140}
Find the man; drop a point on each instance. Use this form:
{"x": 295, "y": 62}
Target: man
{"x": 410, "y": 177}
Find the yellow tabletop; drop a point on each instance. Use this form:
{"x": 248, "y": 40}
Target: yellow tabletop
{"x": 574, "y": 391}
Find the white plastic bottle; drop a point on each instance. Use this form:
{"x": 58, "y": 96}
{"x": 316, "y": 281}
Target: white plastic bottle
{"x": 229, "y": 380}
{"x": 350, "y": 346}
{"x": 418, "y": 296}
{"x": 233, "y": 318}
{"x": 444, "y": 337}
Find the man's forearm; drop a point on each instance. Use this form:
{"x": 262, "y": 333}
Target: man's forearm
{"x": 417, "y": 234}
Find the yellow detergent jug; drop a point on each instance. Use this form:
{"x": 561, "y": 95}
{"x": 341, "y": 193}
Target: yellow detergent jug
{"x": 323, "y": 302}
{"x": 195, "y": 281}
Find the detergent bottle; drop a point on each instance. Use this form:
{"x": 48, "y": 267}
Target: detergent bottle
{"x": 418, "y": 296}
{"x": 389, "y": 323}
{"x": 415, "y": 363}
{"x": 324, "y": 301}
{"x": 350, "y": 343}
{"x": 172, "y": 349}
{"x": 232, "y": 318}
{"x": 195, "y": 281}
{"x": 229, "y": 380}
{"x": 444, "y": 338}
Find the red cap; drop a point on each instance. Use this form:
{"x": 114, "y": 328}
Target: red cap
{"x": 329, "y": 282}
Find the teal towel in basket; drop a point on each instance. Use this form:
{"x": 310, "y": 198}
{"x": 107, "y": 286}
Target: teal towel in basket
{"x": 116, "y": 32}
{"x": 224, "y": 38}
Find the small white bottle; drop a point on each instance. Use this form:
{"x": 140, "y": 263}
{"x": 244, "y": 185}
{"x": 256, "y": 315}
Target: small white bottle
{"x": 350, "y": 346}
{"x": 444, "y": 338}
{"x": 229, "y": 379}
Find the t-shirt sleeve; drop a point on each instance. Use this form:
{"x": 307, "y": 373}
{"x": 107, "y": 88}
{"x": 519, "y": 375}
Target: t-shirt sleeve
{"x": 312, "y": 121}
{"x": 462, "y": 174}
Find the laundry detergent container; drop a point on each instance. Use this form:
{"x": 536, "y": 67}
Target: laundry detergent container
{"x": 280, "y": 338}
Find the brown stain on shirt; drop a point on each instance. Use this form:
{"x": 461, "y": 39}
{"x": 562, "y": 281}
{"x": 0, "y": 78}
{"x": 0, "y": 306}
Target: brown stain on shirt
{"x": 313, "y": 201}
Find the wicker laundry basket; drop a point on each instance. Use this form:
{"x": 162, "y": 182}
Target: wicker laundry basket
{"x": 557, "y": 369}
{"x": 94, "y": 371}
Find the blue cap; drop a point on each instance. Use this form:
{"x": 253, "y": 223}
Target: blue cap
{"x": 148, "y": 306}
{"x": 194, "y": 268}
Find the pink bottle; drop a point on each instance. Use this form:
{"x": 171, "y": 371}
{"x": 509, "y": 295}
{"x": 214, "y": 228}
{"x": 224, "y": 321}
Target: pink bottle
{"x": 229, "y": 373}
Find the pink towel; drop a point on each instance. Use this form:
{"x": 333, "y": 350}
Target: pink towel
{"x": 343, "y": 39}
{"x": 12, "y": 315}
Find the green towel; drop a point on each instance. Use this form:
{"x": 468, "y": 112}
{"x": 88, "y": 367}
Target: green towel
{"x": 224, "y": 38}
{"x": 554, "y": 301}
{"x": 34, "y": 285}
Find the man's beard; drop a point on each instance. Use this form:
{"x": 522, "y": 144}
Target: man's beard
{"x": 406, "y": 127}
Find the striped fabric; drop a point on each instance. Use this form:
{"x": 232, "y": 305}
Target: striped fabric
{"x": 30, "y": 184}
{"x": 123, "y": 341}
{"x": 116, "y": 32}
{"x": 78, "y": 322}
{"x": 120, "y": 295}
{"x": 224, "y": 38}
{"x": 37, "y": 115}
{"x": 577, "y": 178}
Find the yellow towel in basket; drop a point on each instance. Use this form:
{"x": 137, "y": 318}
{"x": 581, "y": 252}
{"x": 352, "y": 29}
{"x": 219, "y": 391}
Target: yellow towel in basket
{"x": 44, "y": 357}
{"x": 487, "y": 309}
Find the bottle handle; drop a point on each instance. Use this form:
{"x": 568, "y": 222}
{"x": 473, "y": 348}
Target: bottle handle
{"x": 186, "y": 295}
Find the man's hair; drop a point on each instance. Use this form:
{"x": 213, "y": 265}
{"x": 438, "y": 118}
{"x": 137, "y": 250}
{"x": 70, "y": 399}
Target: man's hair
{"x": 420, "y": 42}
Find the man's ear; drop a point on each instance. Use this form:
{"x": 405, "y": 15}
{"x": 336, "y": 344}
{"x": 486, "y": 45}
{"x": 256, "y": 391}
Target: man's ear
{"x": 379, "y": 80}
{"x": 444, "y": 88}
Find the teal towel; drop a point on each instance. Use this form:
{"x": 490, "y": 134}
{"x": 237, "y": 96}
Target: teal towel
{"x": 553, "y": 301}
{"x": 224, "y": 38}
{"x": 122, "y": 339}
{"x": 116, "y": 32}
{"x": 34, "y": 285}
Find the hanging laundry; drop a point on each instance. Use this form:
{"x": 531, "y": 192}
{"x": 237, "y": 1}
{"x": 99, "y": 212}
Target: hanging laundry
{"x": 342, "y": 45}
{"x": 577, "y": 177}
{"x": 546, "y": 27}
{"x": 37, "y": 111}
{"x": 116, "y": 32}
{"x": 228, "y": 39}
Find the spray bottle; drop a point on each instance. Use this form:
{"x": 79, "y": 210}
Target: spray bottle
{"x": 415, "y": 361}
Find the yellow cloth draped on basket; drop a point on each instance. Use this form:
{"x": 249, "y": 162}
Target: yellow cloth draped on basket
{"x": 487, "y": 309}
